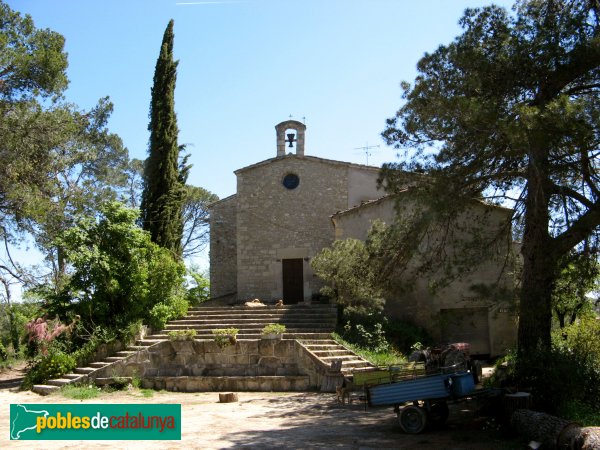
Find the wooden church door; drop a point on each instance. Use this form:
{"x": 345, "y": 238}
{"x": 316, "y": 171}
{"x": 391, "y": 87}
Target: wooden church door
{"x": 293, "y": 280}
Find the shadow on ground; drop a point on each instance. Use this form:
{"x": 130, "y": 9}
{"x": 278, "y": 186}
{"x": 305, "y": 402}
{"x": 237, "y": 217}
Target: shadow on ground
{"x": 310, "y": 421}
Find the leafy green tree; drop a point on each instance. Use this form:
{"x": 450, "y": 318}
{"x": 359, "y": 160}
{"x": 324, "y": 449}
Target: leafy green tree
{"x": 579, "y": 275}
{"x": 351, "y": 279}
{"x": 509, "y": 111}
{"x": 118, "y": 275}
{"x": 87, "y": 165}
{"x": 198, "y": 286}
{"x": 32, "y": 68}
{"x": 195, "y": 219}
{"x": 57, "y": 161}
{"x": 32, "y": 60}
{"x": 163, "y": 195}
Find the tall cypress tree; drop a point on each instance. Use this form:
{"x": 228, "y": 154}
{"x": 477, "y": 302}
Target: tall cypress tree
{"x": 162, "y": 198}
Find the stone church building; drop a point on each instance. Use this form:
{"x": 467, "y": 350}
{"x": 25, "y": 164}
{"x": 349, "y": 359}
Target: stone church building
{"x": 288, "y": 208}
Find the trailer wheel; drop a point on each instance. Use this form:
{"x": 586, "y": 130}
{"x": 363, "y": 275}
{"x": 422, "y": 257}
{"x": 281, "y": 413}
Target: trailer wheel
{"x": 438, "y": 414}
{"x": 412, "y": 419}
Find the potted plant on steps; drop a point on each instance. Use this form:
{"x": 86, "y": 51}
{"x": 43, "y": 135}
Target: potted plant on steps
{"x": 225, "y": 336}
{"x": 273, "y": 331}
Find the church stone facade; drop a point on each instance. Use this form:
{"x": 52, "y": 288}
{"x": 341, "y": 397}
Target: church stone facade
{"x": 288, "y": 208}
{"x": 264, "y": 236}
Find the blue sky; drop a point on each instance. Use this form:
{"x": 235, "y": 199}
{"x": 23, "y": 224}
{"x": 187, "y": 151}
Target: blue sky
{"x": 245, "y": 66}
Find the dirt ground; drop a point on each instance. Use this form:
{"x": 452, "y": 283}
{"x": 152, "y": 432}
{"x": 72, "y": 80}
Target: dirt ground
{"x": 271, "y": 420}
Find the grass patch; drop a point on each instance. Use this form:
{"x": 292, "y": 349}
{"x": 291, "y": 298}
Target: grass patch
{"x": 377, "y": 358}
{"x": 582, "y": 413}
{"x": 80, "y": 392}
{"x": 147, "y": 393}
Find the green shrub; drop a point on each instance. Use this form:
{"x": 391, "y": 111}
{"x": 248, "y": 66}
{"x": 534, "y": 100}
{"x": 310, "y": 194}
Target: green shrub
{"x": 87, "y": 351}
{"x": 182, "y": 335}
{"x": 3, "y": 353}
{"x": 404, "y": 335}
{"x": 378, "y": 358}
{"x": 199, "y": 291}
{"x": 274, "y": 328}
{"x": 225, "y": 336}
{"x": 159, "y": 315}
{"x": 162, "y": 312}
{"x": 564, "y": 380}
{"x": 52, "y": 365}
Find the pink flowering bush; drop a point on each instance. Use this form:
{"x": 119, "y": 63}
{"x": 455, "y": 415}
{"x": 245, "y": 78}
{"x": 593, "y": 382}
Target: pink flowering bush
{"x": 41, "y": 332}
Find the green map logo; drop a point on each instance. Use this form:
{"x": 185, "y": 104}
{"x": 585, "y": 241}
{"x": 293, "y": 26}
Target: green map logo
{"x": 94, "y": 421}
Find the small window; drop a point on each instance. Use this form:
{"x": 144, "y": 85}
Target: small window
{"x": 291, "y": 181}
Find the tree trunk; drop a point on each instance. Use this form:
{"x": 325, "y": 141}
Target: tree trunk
{"x": 539, "y": 262}
{"x": 14, "y": 333}
{"x": 541, "y": 427}
{"x": 554, "y": 432}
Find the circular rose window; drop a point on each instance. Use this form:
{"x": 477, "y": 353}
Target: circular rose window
{"x": 291, "y": 181}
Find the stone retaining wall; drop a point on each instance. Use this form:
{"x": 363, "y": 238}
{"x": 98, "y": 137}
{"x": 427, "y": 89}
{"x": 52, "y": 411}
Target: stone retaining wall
{"x": 255, "y": 384}
{"x": 200, "y": 365}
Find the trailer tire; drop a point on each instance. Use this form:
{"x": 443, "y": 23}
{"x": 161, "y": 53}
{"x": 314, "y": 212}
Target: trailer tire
{"x": 412, "y": 419}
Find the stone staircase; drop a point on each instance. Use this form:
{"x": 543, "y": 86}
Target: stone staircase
{"x": 302, "y": 322}
{"x": 328, "y": 350}
{"x": 310, "y": 326}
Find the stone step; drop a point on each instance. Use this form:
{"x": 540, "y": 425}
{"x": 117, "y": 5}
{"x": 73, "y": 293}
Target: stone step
{"x": 327, "y": 341}
{"x": 250, "y": 328}
{"x": 85, "y": 370}
{"x": 98, "y": 364}
{"x": 261, "y": 316}
{"x": 348, "y": 357}
{"x": 112, "y": 359}
{"x": 147, "y": 342}
{"x": 136, "y": 348}
{"x": 44, "y": 389}
{"x": 307, "y": 308}
{"x": 336, "y": 353}
{"x": 254, "y": 331}
{"x": 256, "y": 319}
{"x": 322, "y": 347}
{"x": 73, "y": 376}
{"x": 252, "y": 322}
{"x": 254, "y": 336}
{"x": 60, "y": 381}
{"x": 366, "y": 368}
{"x": 126, "y": 353}
{"x": 264, "y": 310}
{"x": 354, "y": 363}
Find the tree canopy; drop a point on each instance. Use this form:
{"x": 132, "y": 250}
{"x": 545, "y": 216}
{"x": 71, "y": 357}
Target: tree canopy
{"x": 118, "y": 274}
{"x": 510, "y": 111}
{"x": 164, "y": 180}
{"x": 195, "y": 219}
{"x": 32, "y": 67}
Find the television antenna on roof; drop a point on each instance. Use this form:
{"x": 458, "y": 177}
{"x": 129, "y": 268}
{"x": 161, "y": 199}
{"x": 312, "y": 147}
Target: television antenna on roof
{"x": 367, "y": 150}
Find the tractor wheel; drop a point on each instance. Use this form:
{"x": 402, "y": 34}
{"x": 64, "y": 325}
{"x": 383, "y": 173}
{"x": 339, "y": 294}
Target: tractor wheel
{"x": 412, "y": 419}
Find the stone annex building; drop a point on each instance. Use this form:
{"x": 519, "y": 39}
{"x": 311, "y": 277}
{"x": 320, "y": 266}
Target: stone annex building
{"x": 288, "y": 208}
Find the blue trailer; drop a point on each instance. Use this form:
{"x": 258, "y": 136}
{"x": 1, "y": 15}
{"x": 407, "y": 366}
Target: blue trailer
{"x": 427, "y": 394}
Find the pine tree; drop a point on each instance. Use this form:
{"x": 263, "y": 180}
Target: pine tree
{"x": 162, "y": 198}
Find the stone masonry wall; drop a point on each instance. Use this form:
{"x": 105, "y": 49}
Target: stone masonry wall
{"x": 422, "y": 305}
{"x": 275, "y": 223}
{"x": 223, "y": 248}
{"x": 252, "y": 364}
